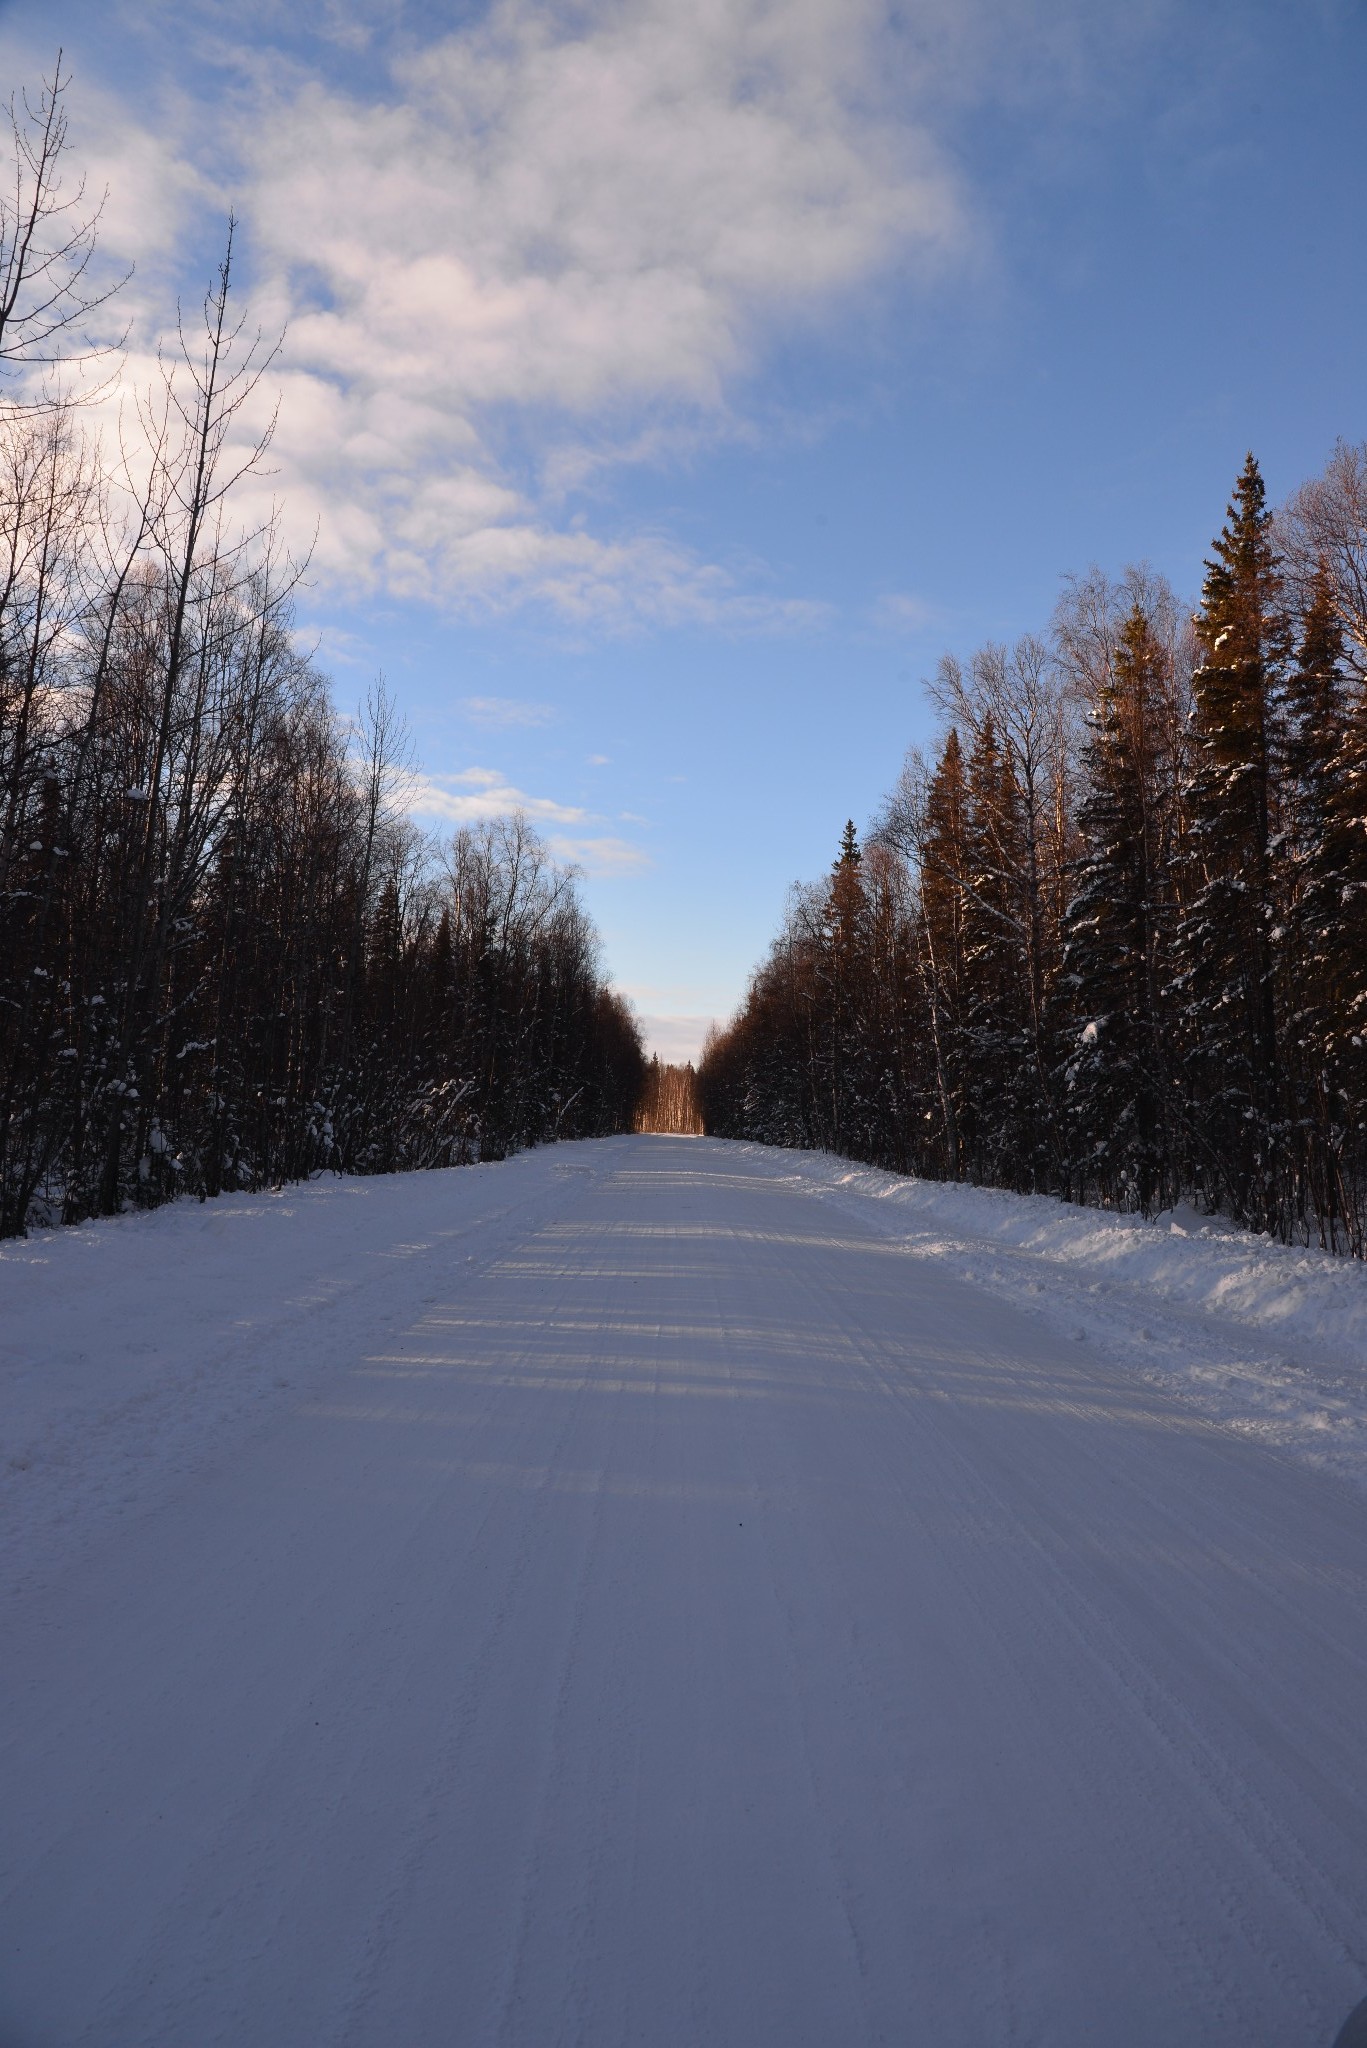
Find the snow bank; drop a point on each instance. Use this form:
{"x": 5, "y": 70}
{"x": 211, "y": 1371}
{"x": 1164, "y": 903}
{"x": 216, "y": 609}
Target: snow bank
{"x": 1308, "y": 1299}
{"x": 1264, "y": 1338}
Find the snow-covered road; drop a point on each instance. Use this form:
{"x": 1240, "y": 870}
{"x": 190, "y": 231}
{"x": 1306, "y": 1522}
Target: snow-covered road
{"x": 674, "y": 1615}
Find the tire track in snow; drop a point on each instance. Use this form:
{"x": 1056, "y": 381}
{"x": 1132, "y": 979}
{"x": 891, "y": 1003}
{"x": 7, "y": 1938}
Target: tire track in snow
{"x": 456, "y": 1705}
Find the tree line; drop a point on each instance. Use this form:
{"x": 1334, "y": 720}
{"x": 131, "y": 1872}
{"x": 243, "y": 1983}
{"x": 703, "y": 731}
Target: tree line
{"x": 1111, "y": 941}
{"x": 227, "y": 957}
{"x": 668, "y": 1100}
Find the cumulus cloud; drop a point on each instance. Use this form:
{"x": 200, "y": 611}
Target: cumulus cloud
{"x": 474, "y": 795}
{"x": 493, "y": 712}
{"x": 150, "y": 190}
{"x": 572, "y": 214}
{"x": 554, "y": 241}
{"x": 600, "y": 856}
{"x": 514, "y": 256}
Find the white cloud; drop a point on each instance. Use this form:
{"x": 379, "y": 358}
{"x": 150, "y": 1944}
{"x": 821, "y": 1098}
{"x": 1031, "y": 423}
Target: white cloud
{"x": 551, "y": 242}
{"x": 572, "y": 214}
{"x": 585, "y": 221}
{"x": 334, "y": 646}
{"x": 901, "y": 611}
{"x": 601, "y": 856}
{"x": 152, "y": 190}
{"x": 493, "y": 712}
{"x": 479, "y": 793}
{"x": 474, "y": 795}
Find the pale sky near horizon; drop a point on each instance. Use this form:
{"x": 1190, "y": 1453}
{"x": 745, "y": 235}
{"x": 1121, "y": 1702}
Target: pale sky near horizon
{"x": 669, "y": 386}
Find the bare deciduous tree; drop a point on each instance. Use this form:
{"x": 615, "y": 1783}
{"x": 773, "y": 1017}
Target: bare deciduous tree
{"x": 49, "y": 290}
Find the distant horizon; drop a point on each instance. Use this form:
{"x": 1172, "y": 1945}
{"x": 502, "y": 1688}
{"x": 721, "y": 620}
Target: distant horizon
{"x": 676, "y": 1041}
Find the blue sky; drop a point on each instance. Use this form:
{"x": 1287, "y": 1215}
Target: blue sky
{"x": 669, "y": 387}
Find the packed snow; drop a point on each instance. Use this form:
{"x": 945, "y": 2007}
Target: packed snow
{"x": 661, "y": 1591}
{"x": 134, "y": 1349}
{"x": 1266, "y": 1338}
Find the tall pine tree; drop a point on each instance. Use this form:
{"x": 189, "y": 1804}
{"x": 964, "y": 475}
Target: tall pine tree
{"x": 997, "y": 1036}
{"x": 843, "y": 1078}
{"x": 940, "y": 942}
{"x": 1309, "y": 935}
{"x": 1118, "y": 927}
{"x": 1224, "y": 990}
{"x": 1344, "y": 941}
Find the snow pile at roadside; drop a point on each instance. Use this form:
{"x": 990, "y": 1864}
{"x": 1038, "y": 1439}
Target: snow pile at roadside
{"x": 1305, "y": 1298}
{"x": 1265, "y": 1338}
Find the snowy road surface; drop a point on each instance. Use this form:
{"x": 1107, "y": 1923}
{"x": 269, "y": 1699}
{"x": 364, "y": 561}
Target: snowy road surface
{"x": 675, "y": 1615}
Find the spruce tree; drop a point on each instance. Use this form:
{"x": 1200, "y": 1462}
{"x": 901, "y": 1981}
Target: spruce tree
{"x": 1309, "y": 934}
{"x": 940, "y": 941}
{"x": 999, "y": 1081}
{"x": 844, "y": 1055}
{"x": 1116, "y": 931}
{"x": 1313, "y": 713}
{"x": 1224, "y": 988}
{"x": 1344, "y": 940}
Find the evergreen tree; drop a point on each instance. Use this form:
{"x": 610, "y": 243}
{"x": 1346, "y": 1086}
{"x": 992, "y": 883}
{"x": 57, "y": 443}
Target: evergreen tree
{"x": 940, "y": 943}
{"x": 1313, "y": 714}
{"x": 1343, "y": 937}
{"x": 1309, "y": 935}
{"x": 1116, "y": 933}
{"x": 1224, "y": 987}
{"x": 843, "y": 1055}
{"x": 996, "y": 1035}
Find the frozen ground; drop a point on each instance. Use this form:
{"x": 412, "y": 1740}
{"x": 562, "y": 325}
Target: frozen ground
{"x": 663, "y": 1592}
